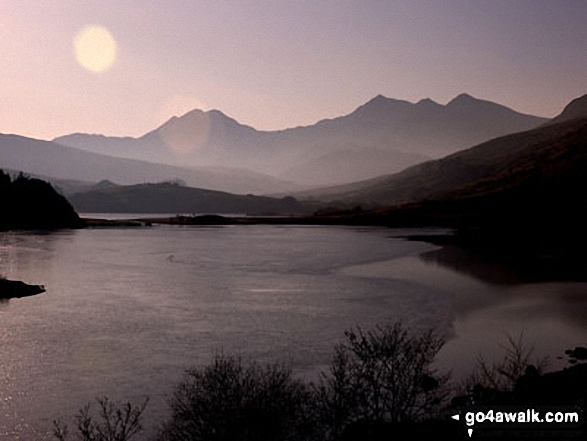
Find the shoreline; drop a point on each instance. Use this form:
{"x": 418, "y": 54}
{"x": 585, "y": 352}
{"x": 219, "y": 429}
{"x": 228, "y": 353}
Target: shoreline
{"x": 350, "y": 219}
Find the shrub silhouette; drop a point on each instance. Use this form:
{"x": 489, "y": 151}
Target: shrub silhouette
{"x": 519, "y": 378}
{"x": 230, "y": 401}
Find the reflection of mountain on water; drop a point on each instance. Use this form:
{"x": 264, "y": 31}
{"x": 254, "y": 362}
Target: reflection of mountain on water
{"x": 488, "y": 299}
{"x": 514, "y": 288}
{"x": 507, "y": 268}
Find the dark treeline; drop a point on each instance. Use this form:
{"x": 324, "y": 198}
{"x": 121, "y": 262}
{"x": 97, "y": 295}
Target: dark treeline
{"x": 27, "y": 203}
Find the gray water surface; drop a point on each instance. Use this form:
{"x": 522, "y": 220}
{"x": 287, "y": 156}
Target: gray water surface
{"x": 128, "y": 310}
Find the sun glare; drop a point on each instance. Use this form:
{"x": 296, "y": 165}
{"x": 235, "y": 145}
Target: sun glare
{"x": 95, "y": 48}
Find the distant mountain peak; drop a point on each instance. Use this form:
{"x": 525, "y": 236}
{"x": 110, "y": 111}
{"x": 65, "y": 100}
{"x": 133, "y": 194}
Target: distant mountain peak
{"x": 427, "y": 102}
{"x": 193, "y": 112}
{"x": 193, "y": 116}
{"x": 463, "y": 98}
{"x": 216, "y": 112}
{"x": 380, "y": 103}
{"x": 198, "y": 114}
{"x": 379, "y": 99}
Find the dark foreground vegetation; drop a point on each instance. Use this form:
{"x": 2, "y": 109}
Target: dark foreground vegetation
{"x": 30, "y": 204}
{"x": 381, "y": 386}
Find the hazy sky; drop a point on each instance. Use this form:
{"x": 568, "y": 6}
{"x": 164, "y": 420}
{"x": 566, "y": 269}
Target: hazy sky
{"x": 274, "y": 64}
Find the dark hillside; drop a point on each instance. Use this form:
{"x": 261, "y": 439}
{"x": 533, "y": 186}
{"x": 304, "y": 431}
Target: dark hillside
{"x": 525, "y": 192}
{"x": 575, "y": 109}
{"x": 27, "y": 203}
{"x": 494, "y": 164}
{"x": 168, "y": 197}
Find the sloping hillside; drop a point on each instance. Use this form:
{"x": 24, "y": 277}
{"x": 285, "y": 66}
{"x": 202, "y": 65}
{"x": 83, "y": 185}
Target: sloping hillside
{"x": 60, "y": 162}
{"x": 543, "y": 186}
{"x": 575, "y": 109}
{"x": 496, "y": 162}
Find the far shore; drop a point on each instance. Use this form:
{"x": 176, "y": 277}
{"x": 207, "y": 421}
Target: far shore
{"x": 351, "y": 219}
{"x": 545, "y": 250}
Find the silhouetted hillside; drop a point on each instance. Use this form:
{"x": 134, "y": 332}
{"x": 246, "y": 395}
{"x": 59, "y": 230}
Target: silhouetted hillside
{"x": 527, "y": 189}
{"x": 407, "y": 133}
{"x": 174, "y": 198}
{"x": 498, "y": 163}
{"x": 575, "y": 109}
{"x": 28, "y": 203}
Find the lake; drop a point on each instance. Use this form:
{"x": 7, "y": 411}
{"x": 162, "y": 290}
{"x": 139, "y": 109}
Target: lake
{"x": 126, "y": 311}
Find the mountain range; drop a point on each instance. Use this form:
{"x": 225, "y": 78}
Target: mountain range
{"x": 532, "y": 183}
{"x": 526, "y": 191}
{"x": 475, "y": 167}
{"x": 382, "y": 136}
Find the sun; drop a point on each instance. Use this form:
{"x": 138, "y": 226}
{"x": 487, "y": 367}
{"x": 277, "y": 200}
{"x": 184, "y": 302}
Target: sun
{"x": 95, "y": 48}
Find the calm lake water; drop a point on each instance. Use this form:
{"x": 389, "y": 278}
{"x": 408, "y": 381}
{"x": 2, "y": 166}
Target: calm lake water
{"x": 128, "y": 310}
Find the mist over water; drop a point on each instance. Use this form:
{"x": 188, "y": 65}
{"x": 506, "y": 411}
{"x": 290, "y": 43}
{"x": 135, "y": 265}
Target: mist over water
{"x": 128, "y": 310}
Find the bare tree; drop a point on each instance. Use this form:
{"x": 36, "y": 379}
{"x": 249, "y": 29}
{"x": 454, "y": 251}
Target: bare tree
{"x": 113, "y": 423}
{"x": 502, "y": 375}
{"x": 384, "y": 375}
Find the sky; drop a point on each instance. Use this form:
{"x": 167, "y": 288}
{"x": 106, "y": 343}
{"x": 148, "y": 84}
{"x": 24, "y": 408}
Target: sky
{"x": 274, "y": 64}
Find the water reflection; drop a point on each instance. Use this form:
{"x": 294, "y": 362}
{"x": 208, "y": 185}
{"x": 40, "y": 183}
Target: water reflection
{"x": 489, "y": 300}
{"x": 530, "y": 288}
{"x": 508, "y": 269}
{"x": 121, "y": 318}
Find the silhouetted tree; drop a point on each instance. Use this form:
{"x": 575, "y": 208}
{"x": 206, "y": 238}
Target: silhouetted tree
{"x": 503, "y": 375}
{"x": 379, "y": 376}
{"x": 113, "y": 423}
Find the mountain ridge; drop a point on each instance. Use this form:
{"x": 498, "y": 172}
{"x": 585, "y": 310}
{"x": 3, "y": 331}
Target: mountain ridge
{"x": 424, "y": 129}
{"x": 486, "y": 162}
